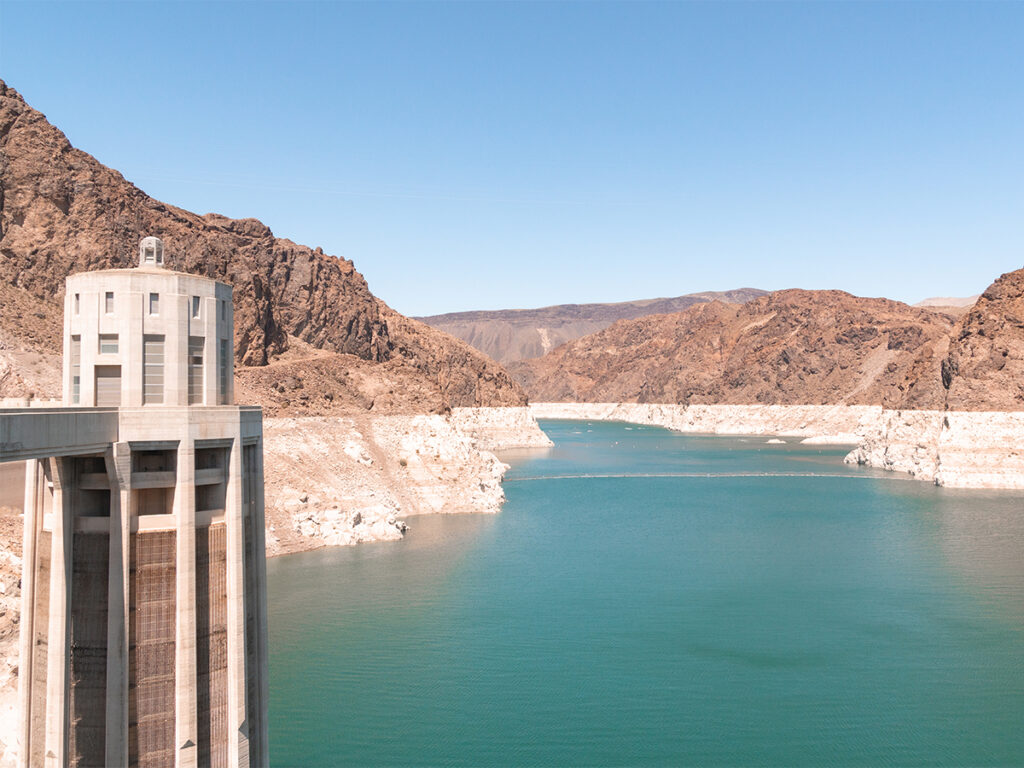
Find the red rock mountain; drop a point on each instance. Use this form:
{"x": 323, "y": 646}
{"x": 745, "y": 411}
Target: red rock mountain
{"x": 984, "y": 370}
{"x": 62, "y": 211}
{"x": 790, "y": 347}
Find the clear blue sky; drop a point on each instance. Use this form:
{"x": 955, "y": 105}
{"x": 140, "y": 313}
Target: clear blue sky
{"x": 485, "y": 155}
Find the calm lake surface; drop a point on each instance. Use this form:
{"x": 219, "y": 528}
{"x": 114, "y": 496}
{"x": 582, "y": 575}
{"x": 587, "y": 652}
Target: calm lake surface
{"x": 739, "y": 604}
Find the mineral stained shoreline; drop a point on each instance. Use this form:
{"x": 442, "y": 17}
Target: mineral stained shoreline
{"x": 350, "y": 479}
{"x": 955, "y": 449}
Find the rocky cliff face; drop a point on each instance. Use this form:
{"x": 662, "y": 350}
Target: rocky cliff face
{"x": 790, "y": 347}
{"x": 61, "y": 211}
{"x": 984, "y": 370}
{"x": 509, "y": 335}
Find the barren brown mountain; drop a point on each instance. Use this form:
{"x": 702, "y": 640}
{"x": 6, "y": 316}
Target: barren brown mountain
{"x": 508, "y": 335}
{"x": 790, "y": 347}
{"x": 61, "y": 211}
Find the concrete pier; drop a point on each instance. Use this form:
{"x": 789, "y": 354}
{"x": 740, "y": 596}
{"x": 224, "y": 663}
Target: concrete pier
{"x": 143, "y": 630}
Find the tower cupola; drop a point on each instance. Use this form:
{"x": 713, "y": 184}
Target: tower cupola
{"x": 151, "y": 252}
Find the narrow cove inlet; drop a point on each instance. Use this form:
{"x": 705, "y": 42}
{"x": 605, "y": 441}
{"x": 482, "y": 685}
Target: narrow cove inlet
{"x": 650, "y": 598}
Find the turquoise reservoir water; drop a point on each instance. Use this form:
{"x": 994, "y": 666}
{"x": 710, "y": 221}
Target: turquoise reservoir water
{"x": 647, "y": 598}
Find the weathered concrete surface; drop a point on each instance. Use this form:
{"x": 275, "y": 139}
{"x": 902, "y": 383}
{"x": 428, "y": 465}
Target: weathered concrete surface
{"x": 40, "y": 432}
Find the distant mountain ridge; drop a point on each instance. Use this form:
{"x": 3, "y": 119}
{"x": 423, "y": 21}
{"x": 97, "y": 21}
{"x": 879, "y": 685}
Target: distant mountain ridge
{"x": 508, "y": 335}
{"x": 951, "y": 305}
{"x": 790, "y": 347}
{"x": 800, "y": 347}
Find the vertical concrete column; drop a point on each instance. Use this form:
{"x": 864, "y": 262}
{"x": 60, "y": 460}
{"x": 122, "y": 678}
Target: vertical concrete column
{"x": 131, "y": 345}
{"x": 69, "y": 309}
{"x": 175, "y": 318}
{"x": 230, "y": 336}
{"x": 118, "y": 460}
{"x": 58, "y": 658}
{"x": 186, "y": 728}
{"x": 32, "y": 517}
{"x": 260, "y": 567}
{"x": 238, "y": 734}
{"x": 207, "y": 328}
{"x": 88, "y": 325}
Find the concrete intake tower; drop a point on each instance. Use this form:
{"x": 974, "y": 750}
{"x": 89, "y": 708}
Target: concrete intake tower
{"x": 143, "y": 623}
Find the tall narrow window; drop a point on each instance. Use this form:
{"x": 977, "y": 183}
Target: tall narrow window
{"x": 222, "y": 364}
{"x": 195, "y": 306}
{"x": 154, "y": 303}
{"x": 108, "y": 343}
{"x": 195, "y": 370}
{"x": 153, "y": 369}
{"x": 76, "y": 370}
{"x": 150, "y": 254}
{"x": 108, "y": 302}
{"x": 223, "y": 309}
{"x": 78, "y": 303}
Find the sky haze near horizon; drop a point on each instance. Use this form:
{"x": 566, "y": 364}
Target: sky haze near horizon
{"x": 512, "y": 155}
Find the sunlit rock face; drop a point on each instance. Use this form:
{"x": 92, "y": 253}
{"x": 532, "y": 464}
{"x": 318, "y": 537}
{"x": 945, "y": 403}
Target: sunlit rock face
{"x": 984, "y": 370}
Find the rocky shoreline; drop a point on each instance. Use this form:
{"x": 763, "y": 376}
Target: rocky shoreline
{"x": 955, "y": 449}
{"x": 350, "y": 479}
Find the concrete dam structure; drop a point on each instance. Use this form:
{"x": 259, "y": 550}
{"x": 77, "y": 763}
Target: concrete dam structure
{"x": 143, "y": 626}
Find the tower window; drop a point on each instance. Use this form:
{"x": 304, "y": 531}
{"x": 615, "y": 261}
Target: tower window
{"x": 223, "y": 371}
{"x": 78, "y": 303}
{"x": 154, "y": 303}
{"x": 223, "y": 309}
{"x": 108, "y": 302}
{"x": 76, "y": 370}
{"x": 195, "y": 306}
{"x": 108, "y": 343}
{"x": 195, "y": 370}
{"x": 150, "y": 255}
{"x": 153, "y": 369}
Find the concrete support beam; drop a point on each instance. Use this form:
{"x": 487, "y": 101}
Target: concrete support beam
{"x": 59, "y": 636}
{"x": 33, "y": 511}
{"x": 238, "y": 728}
{"x": 118, "y": 460}
{"x": 260, "y": 566}
{"x": 186, "y": 732}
